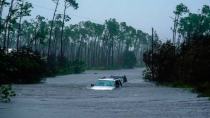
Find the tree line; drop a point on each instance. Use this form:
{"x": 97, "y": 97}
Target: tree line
{"x": 98, "y": 45}
{"x": 184, "y": 61}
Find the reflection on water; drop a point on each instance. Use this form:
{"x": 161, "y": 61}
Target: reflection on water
{"x": 69, "y": 97}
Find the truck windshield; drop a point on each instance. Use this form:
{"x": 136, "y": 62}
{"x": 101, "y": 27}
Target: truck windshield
{"x": 104, "y": 83}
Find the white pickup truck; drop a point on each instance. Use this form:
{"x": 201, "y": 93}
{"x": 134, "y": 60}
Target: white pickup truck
{"x": 106, "y": 84}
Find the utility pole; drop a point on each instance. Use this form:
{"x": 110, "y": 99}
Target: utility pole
{"x": 152, "y": 53}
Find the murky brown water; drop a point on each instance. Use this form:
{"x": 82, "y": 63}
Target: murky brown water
{"x": 69, "y": 97}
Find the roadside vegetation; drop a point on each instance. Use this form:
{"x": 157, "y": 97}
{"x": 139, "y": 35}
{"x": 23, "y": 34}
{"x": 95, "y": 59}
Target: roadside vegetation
{"x": 183, "y": 63}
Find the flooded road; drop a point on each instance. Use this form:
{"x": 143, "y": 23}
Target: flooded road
{"x": 69, "y": 97}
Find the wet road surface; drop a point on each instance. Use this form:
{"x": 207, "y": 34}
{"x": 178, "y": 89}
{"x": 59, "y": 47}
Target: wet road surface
{"x": 69, "y": 97}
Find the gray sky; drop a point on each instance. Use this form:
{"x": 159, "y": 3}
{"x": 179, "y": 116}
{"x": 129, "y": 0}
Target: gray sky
{"x": 141, "y": 14}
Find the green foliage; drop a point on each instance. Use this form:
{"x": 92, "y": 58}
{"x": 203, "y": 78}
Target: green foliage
{"x": 180, "y": 9}
{"x": 30, "y": 67}
{"x": 187, "y": 65}
{"x": 190, "y": 64}
{"x": 23, "y": 8}
{"x": 6, "y": 93}
{"x": 147, "y": 74}
{"x": 195, "y": 62}
{"x": 112, "y": 27}
{"x": 195, "y": 24}
{"x": 69, "y": 67}
{"x": 72, "y": 3}
{"x": 129, "y": 59}
{"x": 162, "y": 61}
{"x": 26, "y": 67}
{"x": 23, "y": 66}
{"x": 62, "y": 66}
{"x": 78, "y": 66}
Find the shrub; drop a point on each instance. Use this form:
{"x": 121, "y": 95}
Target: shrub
{"x": 78, "y": 66}
{"x": 22, "y": 67}
{"x": 6, "y": 93}
{"x": 68, "y": 67}
{"x": 189, "y": 66}
{"x": 129, "y": 59}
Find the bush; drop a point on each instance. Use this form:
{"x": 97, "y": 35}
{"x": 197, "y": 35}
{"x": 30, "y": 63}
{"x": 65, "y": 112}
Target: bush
{"x": 6, "y": 93}
{"x": 147, "y": 74}
{"x": 22, "y": 67}
{"x": 188, "y": 65}
{"x": 26, "y": 67}
{"x": 78, "y": 66}
{"x": 195, "y": 62}
{"x": 68, "y": 67}
{"x": 129, "y": 59}
{"x": 163, "y": 62}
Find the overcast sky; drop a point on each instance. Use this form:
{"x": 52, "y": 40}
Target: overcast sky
{"x": 141, "y": 14}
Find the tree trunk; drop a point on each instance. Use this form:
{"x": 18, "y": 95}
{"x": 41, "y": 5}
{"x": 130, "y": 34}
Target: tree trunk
{"x": 51, "y": 29}
{"x": 62, "y": 31}
{"x": 8, "y": 18}
{"x": 112, "y": 60}
{"x": 19, "y": 31}
{"x": 1, "y": 11}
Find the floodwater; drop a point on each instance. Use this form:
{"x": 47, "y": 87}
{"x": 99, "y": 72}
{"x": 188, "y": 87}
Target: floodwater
{"x": 69, "y": 97}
